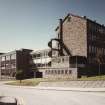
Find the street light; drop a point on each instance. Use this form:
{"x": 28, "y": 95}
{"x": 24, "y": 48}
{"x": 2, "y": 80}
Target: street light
{"x": 99, "y": 72}
{"x": 76, "y": 62}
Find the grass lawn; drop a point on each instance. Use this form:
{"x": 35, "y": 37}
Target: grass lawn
{"x": 26, "y": 82}
{"x": 94, "y": 78}
{"x": 36, "y": 81}
{"x": 32, "y": 82}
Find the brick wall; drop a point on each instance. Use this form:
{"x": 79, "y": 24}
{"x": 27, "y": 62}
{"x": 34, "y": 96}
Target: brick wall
{"x": 75, "y": 35}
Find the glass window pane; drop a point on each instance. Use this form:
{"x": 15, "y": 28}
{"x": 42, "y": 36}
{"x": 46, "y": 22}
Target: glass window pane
{"x": 13, "y": 56}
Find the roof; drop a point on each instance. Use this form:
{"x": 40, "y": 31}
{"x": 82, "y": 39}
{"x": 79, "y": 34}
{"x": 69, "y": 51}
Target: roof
{"x": 13, "y": 52}
{"x": 82, "y": 17}
{"x": 70, "y": 14}
{"x": 40, "y": 51}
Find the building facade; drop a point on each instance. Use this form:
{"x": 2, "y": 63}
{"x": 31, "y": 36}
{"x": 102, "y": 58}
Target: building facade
{"x": 80, "y": 42}
{"x": 41, "y": 58}
{"x": 41, "y": 61}
{"x": 81, "y": 36}
{"x": 95, "y": 41}
{"x": 13, "y": 61}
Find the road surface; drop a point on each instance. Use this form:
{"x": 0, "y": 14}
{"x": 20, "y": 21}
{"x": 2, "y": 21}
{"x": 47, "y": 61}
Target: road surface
{"x": 31, "y": 96}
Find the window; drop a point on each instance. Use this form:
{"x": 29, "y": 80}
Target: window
{"x": 89, "y": 49}
{"x": 3, "y": 58}
{"x": 52, "y": 71}
{"x": 66, "y": 71}
{"x": 70, "y": 71}
{"x": 13, "y": 56}
{"x": 95, "y": 49}
{"x": 62, "y": 71}
{"x": 2, "y": 67}
{"x": 63, "y": 60}
{"x": 92, "y": 49}
{"x": 2, "y": 64}
{"x": 58, "y": 71}
{"x": 46, "y": 72}
{"x": 8, "y": 57}
{"x": 38, "y": 55}
{"x": 55, "y": 71}
{"x": 104, "y": 51}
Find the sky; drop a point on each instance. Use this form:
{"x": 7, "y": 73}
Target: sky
{"x": 31, "y": 23}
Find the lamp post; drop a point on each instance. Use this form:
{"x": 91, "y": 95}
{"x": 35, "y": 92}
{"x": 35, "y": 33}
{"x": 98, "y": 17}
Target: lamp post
{"x": 0, "y": 74}
{"x": 34, "y": 74}
{"x": 99, "y": 72}
{"x": 76, "y": 62}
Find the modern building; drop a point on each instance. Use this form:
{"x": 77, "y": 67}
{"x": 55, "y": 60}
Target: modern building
{"x": 41, "y": 58}
{"x": 41, "y": 61}
{"x": 13, "y": 61}
{"x": 80, "y": 43}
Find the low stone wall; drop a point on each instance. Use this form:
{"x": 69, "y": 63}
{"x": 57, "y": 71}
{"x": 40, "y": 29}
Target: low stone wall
{"x": 75, "y": 84}
{"x": 57, "y": 73}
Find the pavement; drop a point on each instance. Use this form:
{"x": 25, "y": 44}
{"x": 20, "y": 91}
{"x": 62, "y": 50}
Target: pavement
{"x": 72, "y": 89}
{"x": 53, "y": 95}
{"x": 8, "y": 100}
{"x": 59, "y": 88}
{"x": 62, "y": 88}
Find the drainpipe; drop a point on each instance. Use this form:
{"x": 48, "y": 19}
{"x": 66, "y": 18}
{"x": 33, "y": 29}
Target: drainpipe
{"x": 61, "y": 35}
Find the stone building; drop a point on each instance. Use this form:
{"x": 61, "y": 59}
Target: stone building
{"x": 80, "y": 43}
{"x": 81, "y": 36}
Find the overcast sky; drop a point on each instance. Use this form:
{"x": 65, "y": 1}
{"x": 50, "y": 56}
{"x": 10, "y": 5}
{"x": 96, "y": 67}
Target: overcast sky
{"x": 31, "y": 23}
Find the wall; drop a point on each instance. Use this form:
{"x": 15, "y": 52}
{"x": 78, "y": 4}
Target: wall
{"x": 56, "y": 73}
{"x": 75, "y": 35}
{"x": 75, "y": 84}
{"x": 59, "y": 62}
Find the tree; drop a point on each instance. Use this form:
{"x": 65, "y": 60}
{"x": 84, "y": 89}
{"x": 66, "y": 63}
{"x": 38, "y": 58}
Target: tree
{"x": 99, "y": 60}
{"x": 19, "y": 75}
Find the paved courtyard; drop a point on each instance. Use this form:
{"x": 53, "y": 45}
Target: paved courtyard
{"x": 31, "y": 96}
